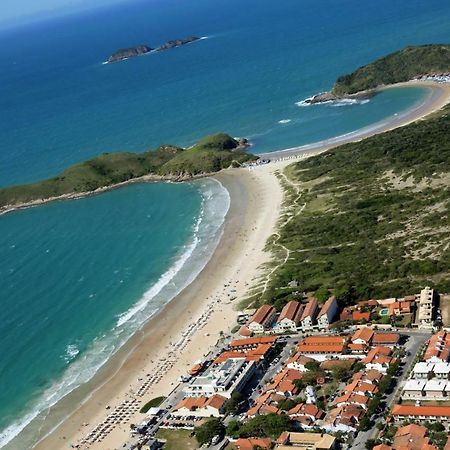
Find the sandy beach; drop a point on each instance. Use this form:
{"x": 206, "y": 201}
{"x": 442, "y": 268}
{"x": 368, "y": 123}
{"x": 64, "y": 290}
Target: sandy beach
{"x": 191, "y": 324}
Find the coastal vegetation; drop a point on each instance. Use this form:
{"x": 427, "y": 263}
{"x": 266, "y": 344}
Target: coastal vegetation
{"x": 402, "y": 65}
{"x": 166, "y": 162}
{"x": 368, "y": 219}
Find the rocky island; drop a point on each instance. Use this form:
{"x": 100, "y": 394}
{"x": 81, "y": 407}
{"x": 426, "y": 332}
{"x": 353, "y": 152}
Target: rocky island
{"x": 131, "y": 52}
{"x": 126, "y": 53}
{"x": 410, "y": 63}
{"x": 167, "y": 162}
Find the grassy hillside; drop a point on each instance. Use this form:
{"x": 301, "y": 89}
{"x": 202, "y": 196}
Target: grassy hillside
{"x": 209, "y": 155}
{"x": 369, "y": 219}
{"x": 399, "y": 66}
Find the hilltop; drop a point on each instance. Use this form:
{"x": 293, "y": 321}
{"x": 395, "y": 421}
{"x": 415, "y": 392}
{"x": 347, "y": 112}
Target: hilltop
{"x": 167, "y": 162}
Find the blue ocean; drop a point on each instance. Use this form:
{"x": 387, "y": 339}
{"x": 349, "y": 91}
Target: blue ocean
{"x": 78, "y": 278}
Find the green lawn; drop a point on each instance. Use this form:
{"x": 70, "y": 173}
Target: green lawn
{"x": 177, "y": 439}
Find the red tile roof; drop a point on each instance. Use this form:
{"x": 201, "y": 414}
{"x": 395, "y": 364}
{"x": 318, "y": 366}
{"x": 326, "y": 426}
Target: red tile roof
{"x": 326, "y": 306}
{"x": 251, "y": 443}
{"x": 291, "y": 311}
{"x": 263, "y": 314}
{"x": 358, "y": 315}
{"x": 438, "y": 411}
{"x": 253, "y": 341}
{"x": 385, "y": 338}
{"x": 310, "y": 308}
{"x": 364, "y": 334}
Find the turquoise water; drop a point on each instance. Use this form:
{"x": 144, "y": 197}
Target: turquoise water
{"x": 384, "y": 312}
{"x": 79, "y": 277}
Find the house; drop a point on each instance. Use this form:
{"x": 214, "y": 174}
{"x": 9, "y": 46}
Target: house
{"x": 252, "y": 443}
{"x": 409, "y": 437}
{"x": 343, "y": 418}
{"x": 327, "y": 313}
{"x": 308, "y": 318}
{"x": 283, "y": 383}
{"x": 263, "y": 319}
{"x": 422, "y": 414}
{"x": 442, "y": 371}
{"x": 413, "y": 389}
{"x": 390, "y": 339}
{"x": 438, "y": 349}
{"x": 360, "y": 316}
{"x": 322, "y": 344}
{"x": 306, "y": 441}
{"x": 400, "y": 308}
{"x": 426, "y": 308}
{"x": 200, "y": 406}
{"x": 363, "y": 336}
{"x": 298, "y": 362}
{"x": 422, "y": 371}
{"x": 290, "y": 317}
{"x": 378, "y": 358}
{"x": 306, "y": 414}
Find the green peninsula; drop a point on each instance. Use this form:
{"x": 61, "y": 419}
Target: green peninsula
{"x": 166, "y": 162}
{"x": 404, "y": 65}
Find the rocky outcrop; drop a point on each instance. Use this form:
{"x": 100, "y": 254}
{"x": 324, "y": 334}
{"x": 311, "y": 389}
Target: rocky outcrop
{"x": 131, "y": 52}
{"x": 326, "y": 97}
{"x": 176, "y": 43}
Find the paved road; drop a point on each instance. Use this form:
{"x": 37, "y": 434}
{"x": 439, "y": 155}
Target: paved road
{"x": 412, "y": 346}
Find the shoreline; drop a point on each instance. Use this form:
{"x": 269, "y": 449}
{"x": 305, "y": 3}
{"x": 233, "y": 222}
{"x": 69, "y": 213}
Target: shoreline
{"x": 439, "y": 96}
{"x": 238, "y": 258}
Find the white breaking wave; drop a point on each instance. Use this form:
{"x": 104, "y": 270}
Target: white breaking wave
{"x": 71, "y": 352}
{"x": 284, "y": 121}
{"x": 349, "y": 102}
{"x": 207, "y": 231}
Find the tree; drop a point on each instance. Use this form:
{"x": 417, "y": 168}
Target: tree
{"x": 287, "y": 404}
{"x": 321, "y": 294}
{"x": 312, "y": 365}
{"x": 232, "y": 405}
{"x": 340, "y": 373}
{"x": 271, "y": 425}
{"x": 213, "y": 427}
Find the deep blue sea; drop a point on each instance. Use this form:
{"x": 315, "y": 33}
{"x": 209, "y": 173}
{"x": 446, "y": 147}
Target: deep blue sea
{"x": 79, "y": 277}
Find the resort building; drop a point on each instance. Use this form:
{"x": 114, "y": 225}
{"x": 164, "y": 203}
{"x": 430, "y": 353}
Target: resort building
{"x": 224, "y": 379}
{"x": 321, "y": 344}
{"x": 306, "y": 441}
{"x": 308, "y": 318}
{"x": 327, "y": 313}
{"x": 422, "y": 414}
{"x": 200, "y": 406}
{"x": 290, "y": 317}
{"x": 426, "y": 308}
{"x": 245, "y": 345}
{"x": 263, "y": 319}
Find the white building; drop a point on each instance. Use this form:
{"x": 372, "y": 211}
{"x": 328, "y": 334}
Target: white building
{"x": 426, "y": 308}
{"x": 289, "y": 318}
{"x": 327, "y": 313}
{"x": 263, "y": 319}
{"x": 200, "y": 406}
{"x": 309, "y": 315}
{"x": 228, "y": 377}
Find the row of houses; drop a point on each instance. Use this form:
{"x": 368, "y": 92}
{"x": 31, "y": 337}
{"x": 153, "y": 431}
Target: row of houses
{"x": 409, "y": 437}
{"x": 294, "y": 317}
